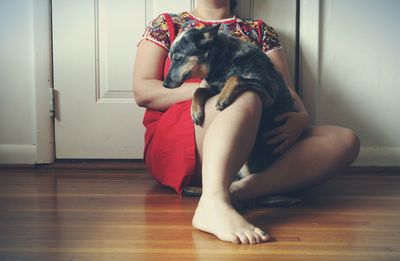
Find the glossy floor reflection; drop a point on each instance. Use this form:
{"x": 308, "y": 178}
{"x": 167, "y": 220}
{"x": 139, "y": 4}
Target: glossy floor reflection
{"x": 60, "y": 214}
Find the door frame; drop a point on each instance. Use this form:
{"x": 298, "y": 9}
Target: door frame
{"x": 43, "y": 64}
{"x": 309, "y": 56}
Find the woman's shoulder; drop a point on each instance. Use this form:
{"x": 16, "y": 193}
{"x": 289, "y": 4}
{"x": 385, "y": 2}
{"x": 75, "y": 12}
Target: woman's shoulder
{"x": 255, "y": 24}
{"x": 175, "y": 18}
{"x": 164, "y": 27}
{"x": 267, "y": 38}
{"x": 164, "y": 18}
{"x": 173, "y": 21}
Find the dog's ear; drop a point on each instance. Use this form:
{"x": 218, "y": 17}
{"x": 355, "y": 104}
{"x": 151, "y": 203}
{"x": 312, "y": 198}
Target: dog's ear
{"x": 207, "y": 37}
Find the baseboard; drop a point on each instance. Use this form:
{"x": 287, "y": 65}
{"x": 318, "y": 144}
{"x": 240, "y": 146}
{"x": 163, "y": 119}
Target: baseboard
{"x": 378, "y": 156}
{"x": 17, "y": 154}
{"x": 369, "y": 156}
{"x": 95, "y": 164}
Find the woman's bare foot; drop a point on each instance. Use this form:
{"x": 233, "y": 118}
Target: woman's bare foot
{"x": 218, "y": 217}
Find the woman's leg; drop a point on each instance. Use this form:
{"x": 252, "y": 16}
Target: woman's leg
{"x": 322, "y": 152}
{"x": 224, "y": 143}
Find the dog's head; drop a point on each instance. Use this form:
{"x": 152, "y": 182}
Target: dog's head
{"x": 189, "y": 55}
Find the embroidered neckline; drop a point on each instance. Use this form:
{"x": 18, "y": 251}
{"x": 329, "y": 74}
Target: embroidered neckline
{"x": 226, "y": 20}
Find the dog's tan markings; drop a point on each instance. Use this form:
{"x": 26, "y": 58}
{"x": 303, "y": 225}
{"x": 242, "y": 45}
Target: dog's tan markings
{"x": 228, "y": 93}
{"x": 189, "y": 66}
{"x": 200, "y": 97}
{"x": 200, "y": 71}
{"x": 193, "y": 65}
{"x": 204, "y": 70}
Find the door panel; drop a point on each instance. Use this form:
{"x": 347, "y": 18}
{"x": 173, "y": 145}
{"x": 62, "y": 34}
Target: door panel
{"x": 94, "y": 44}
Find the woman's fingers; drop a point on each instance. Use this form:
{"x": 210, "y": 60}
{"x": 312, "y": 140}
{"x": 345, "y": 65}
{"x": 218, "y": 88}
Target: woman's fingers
{"x": 278, "y": 138}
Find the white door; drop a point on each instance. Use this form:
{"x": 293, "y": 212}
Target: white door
{"x": 94, "y": 45}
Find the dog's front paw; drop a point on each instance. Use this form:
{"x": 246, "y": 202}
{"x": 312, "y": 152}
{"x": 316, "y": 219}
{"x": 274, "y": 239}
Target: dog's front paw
{"x": 197, "y": 116}
{"x": 222, "y": 104}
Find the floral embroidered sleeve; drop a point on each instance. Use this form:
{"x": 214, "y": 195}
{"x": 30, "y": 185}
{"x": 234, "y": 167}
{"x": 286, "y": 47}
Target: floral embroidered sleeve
{"x": 157, "y": 32}
{"x": 270, "y": 40}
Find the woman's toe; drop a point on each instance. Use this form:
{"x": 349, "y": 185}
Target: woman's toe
{"x": 264, "y": 236}
{"x": 243, "y": 238}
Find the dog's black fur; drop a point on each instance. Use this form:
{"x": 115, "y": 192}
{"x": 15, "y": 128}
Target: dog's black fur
{"x": 230, "y": 67}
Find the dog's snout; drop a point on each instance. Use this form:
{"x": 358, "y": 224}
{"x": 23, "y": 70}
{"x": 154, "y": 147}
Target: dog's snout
{"x": 166, "y": 83}
{"x": 171, "y": 81}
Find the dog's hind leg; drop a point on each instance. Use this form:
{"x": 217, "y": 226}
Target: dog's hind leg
{"x": 236, "y": 85}
{"x": 228, "y": 93}
{"x": 200, "y": 97}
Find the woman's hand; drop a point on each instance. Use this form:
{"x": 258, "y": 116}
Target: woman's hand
{"x": 287, "y": 134}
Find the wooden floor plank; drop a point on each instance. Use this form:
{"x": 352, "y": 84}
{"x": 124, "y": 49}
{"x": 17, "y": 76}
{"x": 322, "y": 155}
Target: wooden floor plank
{"x": 58, "y": 213}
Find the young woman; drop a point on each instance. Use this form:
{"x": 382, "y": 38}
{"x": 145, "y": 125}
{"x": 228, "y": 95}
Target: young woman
{"x": 178, "y": 153}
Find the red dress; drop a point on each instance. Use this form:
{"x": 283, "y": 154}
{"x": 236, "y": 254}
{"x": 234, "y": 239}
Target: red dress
{"x": 170, "y": 149}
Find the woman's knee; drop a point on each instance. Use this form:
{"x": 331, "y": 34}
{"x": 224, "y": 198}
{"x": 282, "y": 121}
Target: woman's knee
{"x": 249, "y": 103}
{"x": 346, "y": 141}
{"x": 351, "y": 141}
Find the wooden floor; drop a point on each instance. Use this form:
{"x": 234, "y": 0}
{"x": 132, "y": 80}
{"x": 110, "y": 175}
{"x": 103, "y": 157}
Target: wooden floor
{"x": 116, "y": 214}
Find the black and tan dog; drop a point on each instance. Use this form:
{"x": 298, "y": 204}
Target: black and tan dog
{"x": 230, "y": 66}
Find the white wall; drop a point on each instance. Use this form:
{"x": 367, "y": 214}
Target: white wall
{"x": 281, "y": 15}
{"x": 356, "y": 74}
{"x": 21, "y": 69}
{"x": 359, "y": 74}
{"x": 17, "y": 114}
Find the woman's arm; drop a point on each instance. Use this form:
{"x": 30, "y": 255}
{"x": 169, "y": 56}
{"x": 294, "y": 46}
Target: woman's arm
{"x": 278, "y": 58}
{"x": 147, "y": 85}
{"x": 297, "y": 121}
